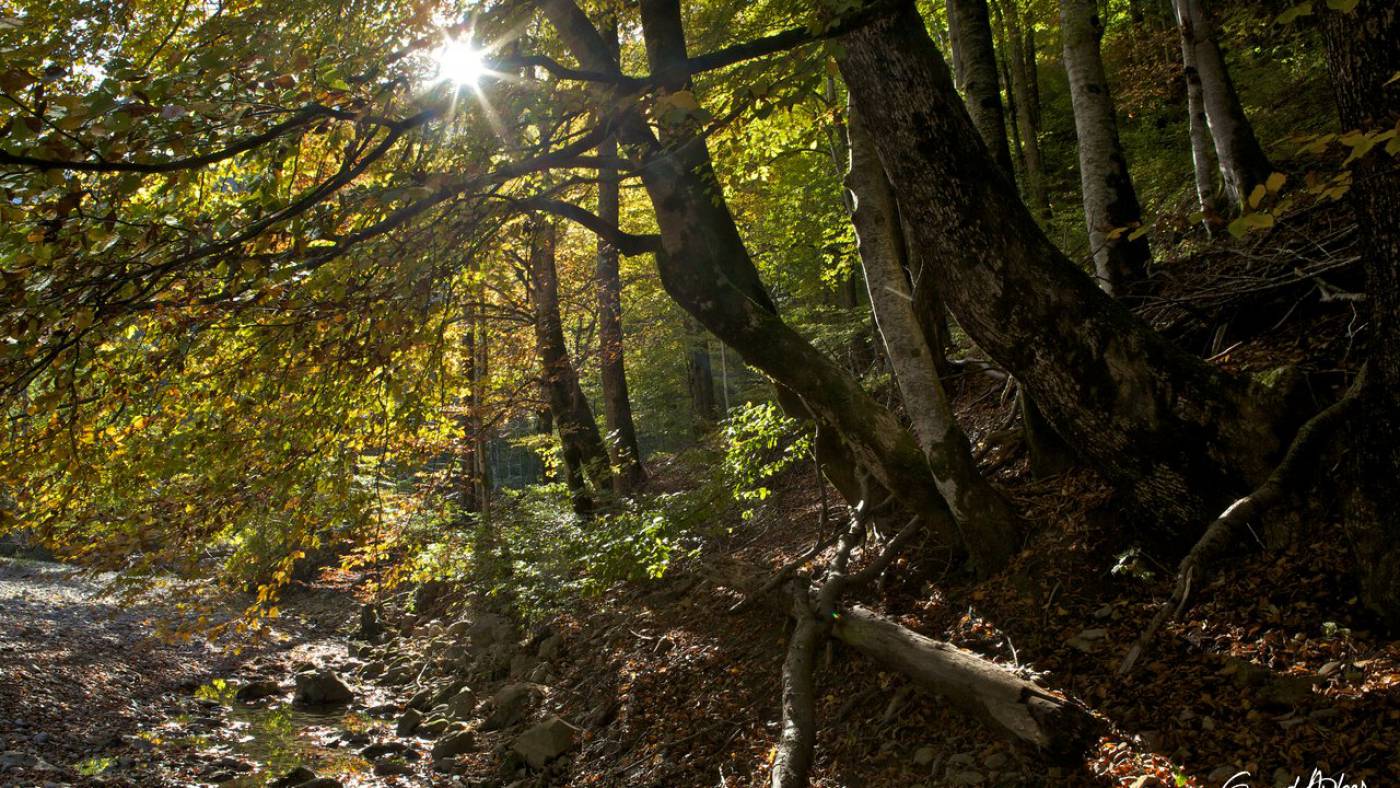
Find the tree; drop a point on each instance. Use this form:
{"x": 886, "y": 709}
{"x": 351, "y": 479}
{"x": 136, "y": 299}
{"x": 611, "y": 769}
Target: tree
{"x": 1243, "y": 163}
{"x": 1111, "y": 207}
{"x": 1363, "y": 55}
{"x": 1160, "y": 423}
{"x": 970, "y": 27}
{"x": 1027, "y": 102}
{"x": 585, "y": 457}
{"x": 617, "y": 407}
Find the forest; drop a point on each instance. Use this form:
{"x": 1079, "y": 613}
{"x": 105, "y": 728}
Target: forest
{"x": 531, "y": 393}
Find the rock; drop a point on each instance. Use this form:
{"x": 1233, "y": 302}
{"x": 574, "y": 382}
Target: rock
{"x": 490, "y": 629}
{"x": 1288, "y": 691}
{"x": 1088, "y": 641}
{"x": 321, "y": 782}
{"x": 968, "y": 777}
{"x": 15, "y": 759}
{"x": 434, "y": 726}
{"x": 541, "y": 674}
{"x": 521, "y": 665}
{"x": 373, "y": 669}
{"x": 404, "y": 674}
{"x": 462, "y": 706}
{"x": 321, "y": 688}
{"x": 295, "y": 777}
{"x": 1220, "y": 774}
{"x": 380, "y": 749}
{"x": 448, "y": 691}
{"x": 550, "y": 647}
{"x": 454, "y": 744}
{"x": 383, "y": 710}
{"x": 996, "y": 760}
{"x": 546, "y": 741}
{"x": 509, "y": 706}
{"x": 423, "y": 700}
{"x": 408, "y": 723}
{"x": 924, "y": 756}
{"x": 393, "y": 767}
{"x": 458, "y": 629}
{"x": 257, "y": 689}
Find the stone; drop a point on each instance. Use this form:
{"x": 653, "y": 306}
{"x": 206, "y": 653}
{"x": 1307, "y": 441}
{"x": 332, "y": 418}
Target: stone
{"x": 404, "y": 674}
{"x": 454, "y": 744}
{"x": 541, "y": 674}
{"x": 257, "y": 689}
{"x": 509, "y": 706}
{"x": 391, "y": 768}
{"x": 380, "y": 749}
{"x": 1088, "y": 640}
{"x": 462, "y": 706}
{"x": 490, "y": 629}
{"x": 322, "y": 782}
{"x": 373, "y": 669}
{"x": 996, "y": 760}
{"x": 550, "y": 647}
{"x": 383, "y": 710}
{"x": 521, "y": 665}
{"x": 294, "y": 777}
{"x": 321, "y": 688}
{"x": 448, "y": 691}
{"x": 408, "y": 723}
{"x": 434, "y": 726}
{"x": 924, "y": 756}
{"x": 965, "y": 778}
{"x": 546, "y": 741}
{"x": 423, "y": 700}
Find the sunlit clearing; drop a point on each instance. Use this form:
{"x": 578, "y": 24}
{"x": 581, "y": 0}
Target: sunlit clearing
{"x": 460, "y": 63}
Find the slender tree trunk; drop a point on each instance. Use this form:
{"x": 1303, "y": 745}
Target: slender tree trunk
{"x": 1363, "y": 55}
{"x": 1202, "y": 149}
{"x": 884, "y": 257}
{"x": 585, "y": 457}
{"x": 707, "y": 270}
{"x": 617, "y": 407}
{"x": 1111, "y": 208}
{"x": 1164, "y": 425}
{"x": 973, "y": 34}
{"x": 1003, "y": 47}
{"x": 700, "y": 378}
{"x": 955, "y": 47}
{"x": 1243, "y": 163}
{"x": 1027, "y": 103}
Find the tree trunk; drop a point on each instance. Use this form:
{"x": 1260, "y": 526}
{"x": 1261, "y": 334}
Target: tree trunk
{"x": 1027, "y": 103}
{"x": 1168, "y": 428}
{"x": 1202, "y": 149}
{"x": 700, "y": 378}
{"x": 972, "y": 32}
{"x": 884, "y": 257}
{"x": 1363, "y": 55}
{"x": 585, "y": 457}
{"x": 1242, "y": 161}
{"x": 617, "y": 407}
{"x": 1111, "y": 208}
{"x": 708, "y": 271}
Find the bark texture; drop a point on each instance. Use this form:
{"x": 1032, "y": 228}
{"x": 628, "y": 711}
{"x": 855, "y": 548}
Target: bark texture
{"x": 971, "y": 30}
{"x": 1170, "y": 429}
{"x": 585, "y": 457}
{"x": 700, "y": 377}
{"x": 1363, "y": 54}
{"x": 1111, "y": 209}
{"x": 1203, "y": 164}
{"x": 617, "y": 407}
{"x": 974, "y": 502}
{"x": 1243, "y": 163}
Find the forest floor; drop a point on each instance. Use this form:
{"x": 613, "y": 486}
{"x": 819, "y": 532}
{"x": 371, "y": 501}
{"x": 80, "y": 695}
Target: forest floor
{"x": 1275, "y": 670}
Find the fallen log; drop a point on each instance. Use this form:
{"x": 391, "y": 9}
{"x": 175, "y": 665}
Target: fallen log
{"x": 1019, "y": 708}
{"x": 1015, "y": 707}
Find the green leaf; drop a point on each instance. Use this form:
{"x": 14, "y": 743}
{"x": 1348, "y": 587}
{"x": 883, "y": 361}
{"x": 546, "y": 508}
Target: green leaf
{"x": 1345, "y": 6}
{"x": 1300, "y": 10}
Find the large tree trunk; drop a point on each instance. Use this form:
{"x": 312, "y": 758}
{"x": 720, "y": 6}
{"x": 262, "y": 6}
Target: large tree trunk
{"x": 585, "y": 456}
{"x": 1027, "y": 108}
{"x": 1243, "y": 163}
{"x": 1111, "y": 208}
{"x": 1164, "y": 425}
{"x": 707, "y": 270}
{"x": 1363, "y": 54}
{"x": 972, "y": 32}
{"x": 885, "y": 259}
{"x": 617, "y": 407}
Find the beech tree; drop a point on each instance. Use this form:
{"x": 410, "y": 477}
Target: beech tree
{"x": 1111, "y": 207}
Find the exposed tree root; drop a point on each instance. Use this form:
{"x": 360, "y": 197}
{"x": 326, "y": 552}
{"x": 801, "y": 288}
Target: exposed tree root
{"x": 1286, "y": 479}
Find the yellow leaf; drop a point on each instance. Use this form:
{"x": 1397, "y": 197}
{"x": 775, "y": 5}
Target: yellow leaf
{"x": 1257, "y": 196}
{"x": 1275, "y": 182}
